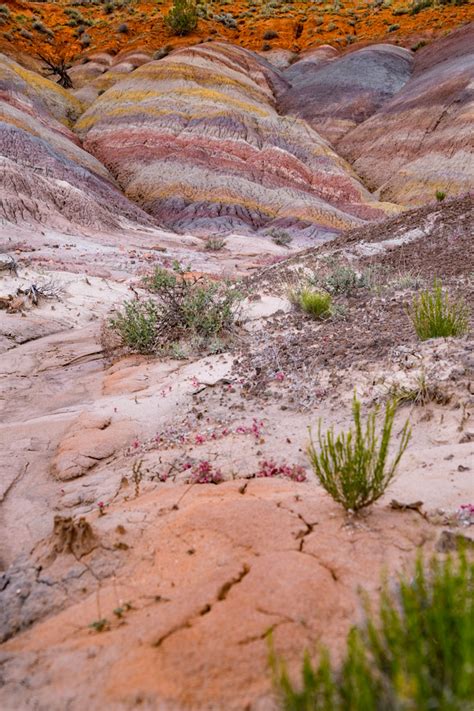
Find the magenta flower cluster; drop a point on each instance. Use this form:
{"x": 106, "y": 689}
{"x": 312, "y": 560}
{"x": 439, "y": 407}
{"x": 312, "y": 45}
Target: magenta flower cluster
{"x": 270, "y": 468}
{"x": 204, "y": 473}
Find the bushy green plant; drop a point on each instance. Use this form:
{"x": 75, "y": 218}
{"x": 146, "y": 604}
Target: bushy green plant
{"x": 353, "y": 467}
{"x": 214, "y": 244}
{"x": 318, "y": 304}
{"x": 419, "y": 5}
{"x": 435, "y": 315}
{"x": 136, "y": 325}
{"x": 182, "y": 18}
{"x": 181, "y": 308}
{"x": 416, "y": 654}
{"x": 440, "y": 195}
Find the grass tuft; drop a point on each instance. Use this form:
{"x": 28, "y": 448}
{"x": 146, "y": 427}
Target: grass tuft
{"x": 435, "y": 315}
{"x": 317, "y": 304}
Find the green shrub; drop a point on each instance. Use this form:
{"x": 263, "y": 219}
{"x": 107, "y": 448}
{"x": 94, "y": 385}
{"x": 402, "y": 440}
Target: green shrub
{"x": 214, "y": 244}
{"x": 416, "y": 654}
{"x": 136, "y": 325}
{"x": 180, "y": 309}
{"x": 435, "y": 315}
{"x": 393, "y": 28}
{"x": 352, "y": 467}
{"x": 318, "y": 304}
{"x": 418, "y": 45}
{"x": 440, "y": 195}
{"x": 182, "y": 18}
{"x": 4, "y": 10}
{"x": 419, "y": 5}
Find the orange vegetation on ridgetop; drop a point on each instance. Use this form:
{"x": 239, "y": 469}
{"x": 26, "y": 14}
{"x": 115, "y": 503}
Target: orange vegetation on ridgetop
{"x": 115, "y": 25}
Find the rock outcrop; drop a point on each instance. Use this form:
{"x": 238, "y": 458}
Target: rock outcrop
{"x": 195, "y": 139}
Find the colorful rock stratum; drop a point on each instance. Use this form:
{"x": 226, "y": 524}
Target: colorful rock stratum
{"x": 195, "y": 139}
{"x": 160, "y": 520}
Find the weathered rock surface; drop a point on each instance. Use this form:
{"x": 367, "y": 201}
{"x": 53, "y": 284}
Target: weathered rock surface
{"x": 421, "y": 140}
{"x": 335, "y": 93}
{"x": 203, "y": 586}
{"x": 195, "y": 139}
{"x": 90, "y": 440}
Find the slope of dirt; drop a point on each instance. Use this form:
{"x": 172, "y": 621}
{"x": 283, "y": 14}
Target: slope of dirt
{"x": 435, "y": 154}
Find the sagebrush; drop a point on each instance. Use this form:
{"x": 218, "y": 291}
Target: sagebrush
{"x": 416, "y": 653}
{"x": 352, "y": 466}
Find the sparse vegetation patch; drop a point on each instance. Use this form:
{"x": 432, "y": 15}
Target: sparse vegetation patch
{"x": 180, "y": 309}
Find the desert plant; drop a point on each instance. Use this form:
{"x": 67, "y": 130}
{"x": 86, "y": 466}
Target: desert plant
{"x": 182, "y": 18}
{"x": 352, "y": 467}
{"x": 342, "y": 279}
{"x": 317, "y": 304}
{"x": 435, "y": 315}
{"x": 440, "y": 195}
{"x": 420, "y": 393}
{"x": 280, "y": 237}
{"x": 214, "y": 244}
{"x": 417, "y": 652}
{"x": 419, "y": 5}
{"x": 181, "y": 308}
{"x": 136, "y": 325}
{"x": 163, "y": 52}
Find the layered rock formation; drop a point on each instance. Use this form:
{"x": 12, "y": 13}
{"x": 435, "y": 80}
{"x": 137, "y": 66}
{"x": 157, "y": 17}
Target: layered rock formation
{"x": 195, "y": 139}
{"x": 335, "y": 93}
{"x": 421, "y": 140}
{"x": 102, "y": 70}
{"x": 45, "y": 175}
